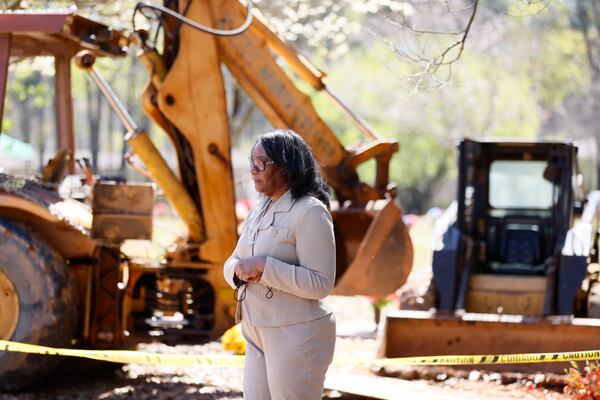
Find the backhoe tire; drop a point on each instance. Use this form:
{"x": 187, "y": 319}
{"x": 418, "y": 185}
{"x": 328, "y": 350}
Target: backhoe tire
{"x": 45, "y": 305}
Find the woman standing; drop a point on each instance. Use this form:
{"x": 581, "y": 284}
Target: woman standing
{"x": 281, "y": 268}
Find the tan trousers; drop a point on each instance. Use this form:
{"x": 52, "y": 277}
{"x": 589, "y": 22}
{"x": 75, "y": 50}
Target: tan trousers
{"x": 288, "y": 362}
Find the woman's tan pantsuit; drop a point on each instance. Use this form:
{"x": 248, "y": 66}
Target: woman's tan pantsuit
{"x": 290, "y": 334}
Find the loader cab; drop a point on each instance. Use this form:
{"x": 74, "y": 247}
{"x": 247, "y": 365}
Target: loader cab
{"x": 514, "y": 209}
{"x": 513, "y": 203}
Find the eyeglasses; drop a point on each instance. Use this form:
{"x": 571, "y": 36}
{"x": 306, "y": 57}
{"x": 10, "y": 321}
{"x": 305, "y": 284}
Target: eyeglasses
{"x": 259, "y": 164}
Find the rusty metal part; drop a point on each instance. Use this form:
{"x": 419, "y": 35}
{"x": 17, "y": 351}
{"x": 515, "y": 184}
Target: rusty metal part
{"x": 122, "y": 211}
{"x": 64, "y": 108}
{"x": 105, "y": 324}
{"x": 9, "y": 307}
{"x": 420, "y": 333}
{"x": 87, "y": 283}
{"x": 49, "y": 33}
{"x": 374, "y": 250}
{"x": 55, "y": 169}
{"x": 49, "y": 22}
{"x": 5, "y": 45}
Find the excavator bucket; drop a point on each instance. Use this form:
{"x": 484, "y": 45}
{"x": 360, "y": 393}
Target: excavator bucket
{"x": 420, "y": 333}
{"x": 374, "y": 250}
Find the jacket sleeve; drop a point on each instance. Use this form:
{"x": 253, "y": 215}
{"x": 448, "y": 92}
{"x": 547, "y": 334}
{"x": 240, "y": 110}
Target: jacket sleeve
{"x": 315, "y": 248}
{"x": 229, "y": 267}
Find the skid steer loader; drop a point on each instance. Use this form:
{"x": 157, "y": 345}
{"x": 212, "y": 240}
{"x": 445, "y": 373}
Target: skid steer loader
{"x": 515, "y": 261}
{"x": 64, "y": 277}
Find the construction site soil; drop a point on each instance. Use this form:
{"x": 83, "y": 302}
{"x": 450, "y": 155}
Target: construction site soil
{"x": 357, "y": 339}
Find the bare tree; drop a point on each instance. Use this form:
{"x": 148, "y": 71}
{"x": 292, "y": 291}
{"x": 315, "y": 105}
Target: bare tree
{"x": 428, "y": 34}
{"x": 587, "y": 20}
{"x": 94, "y": 106}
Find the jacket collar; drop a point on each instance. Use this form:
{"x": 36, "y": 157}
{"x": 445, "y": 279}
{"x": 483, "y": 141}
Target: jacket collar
{"x": 283, "y": 204}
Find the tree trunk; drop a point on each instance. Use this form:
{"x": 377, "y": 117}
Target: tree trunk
{"x": 94, "y": 101}
{"x": 110, "y": 127}
{"x": 132, "y": 104}
{"x": 41, "y": 142}
{"x": 25, "y": 120}
{"x": 589, "y": 25}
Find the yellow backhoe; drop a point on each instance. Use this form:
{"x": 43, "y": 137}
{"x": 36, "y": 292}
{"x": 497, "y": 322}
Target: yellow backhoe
{"x": 64, "y": 278}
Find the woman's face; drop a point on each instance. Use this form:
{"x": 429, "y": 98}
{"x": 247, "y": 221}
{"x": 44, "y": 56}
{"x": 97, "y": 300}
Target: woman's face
{"x": 270, "y": 181}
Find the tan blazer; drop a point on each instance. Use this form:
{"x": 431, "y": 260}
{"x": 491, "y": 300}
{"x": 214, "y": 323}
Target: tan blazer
{"x": 296, "y": 235}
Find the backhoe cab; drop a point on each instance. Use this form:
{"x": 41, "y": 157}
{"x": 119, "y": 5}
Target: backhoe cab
{"x": 513, "y": 264}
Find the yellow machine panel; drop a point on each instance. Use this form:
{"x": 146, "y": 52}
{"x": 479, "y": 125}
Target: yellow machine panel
{"x": 515, "y": 295}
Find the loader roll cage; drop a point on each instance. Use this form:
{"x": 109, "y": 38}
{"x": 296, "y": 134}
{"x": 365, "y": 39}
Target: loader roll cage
{"x": 512, "y": 204}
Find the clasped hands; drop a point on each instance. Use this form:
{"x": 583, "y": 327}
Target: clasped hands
{"x": 250, "y": 269}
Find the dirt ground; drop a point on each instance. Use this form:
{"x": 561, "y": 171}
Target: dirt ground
{"x": 356, "y": 339}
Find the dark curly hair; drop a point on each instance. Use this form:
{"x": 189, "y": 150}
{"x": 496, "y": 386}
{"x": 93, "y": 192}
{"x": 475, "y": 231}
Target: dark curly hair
{"x": 295, "y": 156}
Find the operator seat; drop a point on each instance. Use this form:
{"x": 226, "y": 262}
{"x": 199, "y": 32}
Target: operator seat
{"x": 520, "y": 246}
{"x": 518, "y": 251}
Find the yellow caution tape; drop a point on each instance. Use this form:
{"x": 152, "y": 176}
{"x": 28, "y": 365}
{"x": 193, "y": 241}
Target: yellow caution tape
{"x": 526, "y": 358}
{"x": 127, "y": 357}
{"x": 139, "y": 357}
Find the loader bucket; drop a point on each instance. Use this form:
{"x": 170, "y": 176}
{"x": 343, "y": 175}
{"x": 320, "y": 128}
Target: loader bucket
{"x": 374, "y": 250}
{"x": 420, "y": 333}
